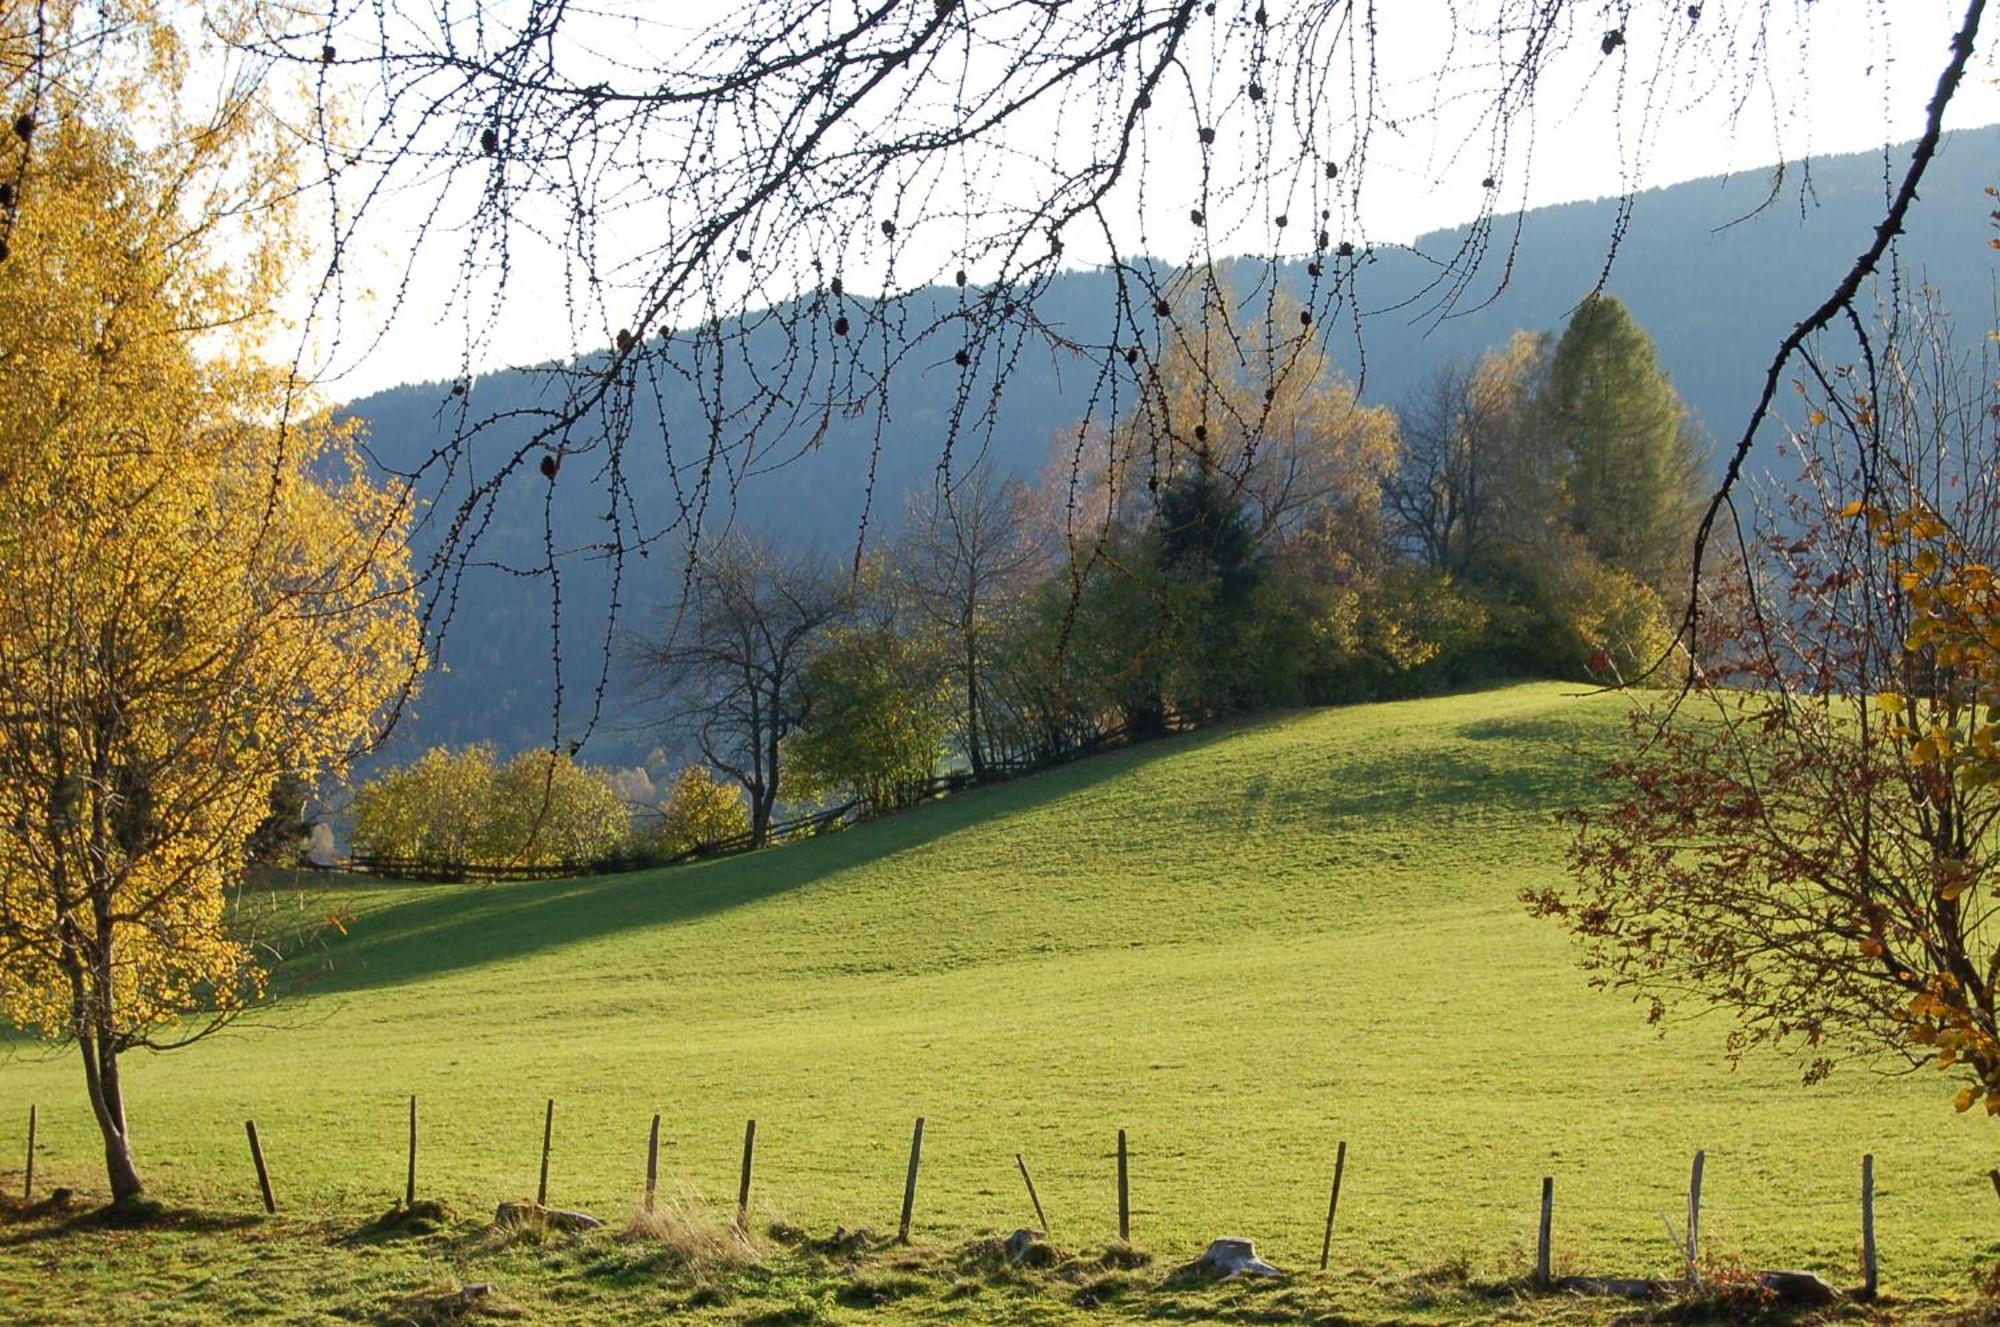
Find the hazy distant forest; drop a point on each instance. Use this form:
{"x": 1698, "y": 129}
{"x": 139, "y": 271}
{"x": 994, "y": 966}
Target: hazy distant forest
{"x": 499, "y": 677}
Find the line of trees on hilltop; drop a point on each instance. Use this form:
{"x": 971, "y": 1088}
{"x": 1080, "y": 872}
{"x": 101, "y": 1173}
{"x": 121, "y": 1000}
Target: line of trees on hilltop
{"x": 1245, "y": 535}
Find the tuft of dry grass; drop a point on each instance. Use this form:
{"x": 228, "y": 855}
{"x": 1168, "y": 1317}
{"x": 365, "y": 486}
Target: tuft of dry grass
{"x": 691, "y": 1236}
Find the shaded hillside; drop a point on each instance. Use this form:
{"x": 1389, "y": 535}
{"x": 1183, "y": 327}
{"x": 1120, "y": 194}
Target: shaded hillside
{"x": 1715, "y": 296}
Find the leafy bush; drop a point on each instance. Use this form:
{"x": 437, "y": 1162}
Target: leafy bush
{"x": 878, "y": 713}
{"x": 448, "y": 810}
{"x": 547, "y": 810}
{"x": 1610, "y": 623}
{"x": 1409, "y": 631}
{"x": 433, "y": 812}
{"x": 700, "y": 810}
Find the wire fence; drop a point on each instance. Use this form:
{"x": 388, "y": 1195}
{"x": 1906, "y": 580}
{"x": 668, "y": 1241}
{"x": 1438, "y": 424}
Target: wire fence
{"x": 1683, "y": 1212}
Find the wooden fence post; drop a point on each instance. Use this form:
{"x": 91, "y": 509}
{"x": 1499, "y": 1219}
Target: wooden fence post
{"x": 743, "y": 1190}
{"x": 1333, "y": 1203}
{"x": 1032, "y": 1196}
{"x": 1124, "y": 1195}
{"x": 1542, "y": 1276}
{"x": 263, "y": 1175}
{"x": 1869, "y": 1275}
{"x": 548, "y": 1136}
{"x": 910, "y": 1182}
{"x": 1694, "y": 1221}
{"x": 410, "y": 1180}
{"x": 652, "y": 1162}
{"x": 28, "y": 1189}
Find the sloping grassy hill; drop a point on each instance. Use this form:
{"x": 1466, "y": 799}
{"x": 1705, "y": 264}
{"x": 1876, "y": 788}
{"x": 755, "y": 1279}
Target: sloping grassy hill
{"x": 1240, "y": 947}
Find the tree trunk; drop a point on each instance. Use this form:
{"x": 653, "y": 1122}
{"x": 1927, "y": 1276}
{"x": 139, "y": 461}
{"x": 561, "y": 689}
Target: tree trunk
{"x": 107, "y": 1102}
{"x": 766, "y": 802}
{"x": 1146, "y": 719}
{"x": 972, "y": 750}
{"x": 118, "y": 1167}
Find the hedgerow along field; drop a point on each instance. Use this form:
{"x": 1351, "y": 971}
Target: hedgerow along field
{"x": 1241, "y": 946}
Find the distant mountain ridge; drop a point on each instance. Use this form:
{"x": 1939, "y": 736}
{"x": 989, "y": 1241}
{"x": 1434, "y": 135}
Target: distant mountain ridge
{"x": 1716, "y": 297}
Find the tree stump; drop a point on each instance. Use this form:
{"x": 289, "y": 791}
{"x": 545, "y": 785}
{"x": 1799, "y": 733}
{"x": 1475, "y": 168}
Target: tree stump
{"x": 528, "y": 1214}
{"x": 1231, "y": 1257}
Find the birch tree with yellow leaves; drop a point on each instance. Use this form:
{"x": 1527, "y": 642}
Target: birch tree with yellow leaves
{"x": 201, "y": 591}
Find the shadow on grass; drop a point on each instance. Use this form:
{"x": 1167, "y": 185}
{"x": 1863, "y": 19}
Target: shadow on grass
{"x": 1529, "y": 764}
{"x": 22, "y": 1225}
{"x": 471, "y": 926}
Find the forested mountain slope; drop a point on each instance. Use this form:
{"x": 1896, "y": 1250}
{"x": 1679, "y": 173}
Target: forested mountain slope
{"x": 1716, "y": 270}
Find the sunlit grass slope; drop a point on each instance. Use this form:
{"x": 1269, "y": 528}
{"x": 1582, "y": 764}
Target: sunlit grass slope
{"x": 1240, "y": 946}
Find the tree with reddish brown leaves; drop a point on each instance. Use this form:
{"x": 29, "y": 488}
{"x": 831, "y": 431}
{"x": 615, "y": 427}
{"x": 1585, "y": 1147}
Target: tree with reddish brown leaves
{"x": 1804, "y": 838}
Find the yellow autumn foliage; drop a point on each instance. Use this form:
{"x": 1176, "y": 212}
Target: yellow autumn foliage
{"x": 201, "y": 590}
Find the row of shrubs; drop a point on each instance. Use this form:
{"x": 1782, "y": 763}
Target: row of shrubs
{"x": 451, "y": 810}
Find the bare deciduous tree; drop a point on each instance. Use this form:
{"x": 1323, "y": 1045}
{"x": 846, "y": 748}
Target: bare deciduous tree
{"x": 1480, "y": 463}
{"x": 726, "y": 667}
{"x": 971, "y": 557}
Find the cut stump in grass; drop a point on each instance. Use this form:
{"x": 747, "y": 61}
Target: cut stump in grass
{"x": 1228, "y": 1258}
{"x": 1031, "y": 1248}
{"x": 1799, "y": 1290}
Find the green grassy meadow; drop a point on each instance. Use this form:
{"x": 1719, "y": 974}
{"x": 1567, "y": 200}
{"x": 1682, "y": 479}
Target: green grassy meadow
{"x": 1240, "y": 946}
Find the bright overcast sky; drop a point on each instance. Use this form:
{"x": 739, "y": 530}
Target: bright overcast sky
{"x": 1873, "y": 66}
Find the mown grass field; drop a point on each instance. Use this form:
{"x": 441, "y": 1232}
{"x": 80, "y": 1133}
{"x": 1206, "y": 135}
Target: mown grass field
{"x": 1240, "y": 946}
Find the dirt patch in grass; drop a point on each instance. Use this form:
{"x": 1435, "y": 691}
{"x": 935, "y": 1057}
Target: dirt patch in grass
{"x": 847, "y": 1244}
{"x": 441, "y": 1306}
{"x": 1125, "y": 1257}
{"x": 426, "y": 1216}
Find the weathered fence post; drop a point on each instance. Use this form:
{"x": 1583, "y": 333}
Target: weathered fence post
{"x": 28, "y": 1188}
{"x": 1694, "y": 1221}
{"x": 743, "y": 1190}
{"x": 910, "y": 1182}
{"x": 1333, "y": 1203}
{"x": 1032, "y": 1196}
{"x": 1542, "y": 1276}
{"x": 263, "y": 1175}
{"x": 652, "y": 1162}
{"x": 548, "y": 1136}
{"x": 1868, "y": 1269}
{"x": 410, "y": 1181}
{"x": 1124, "y": 1195}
